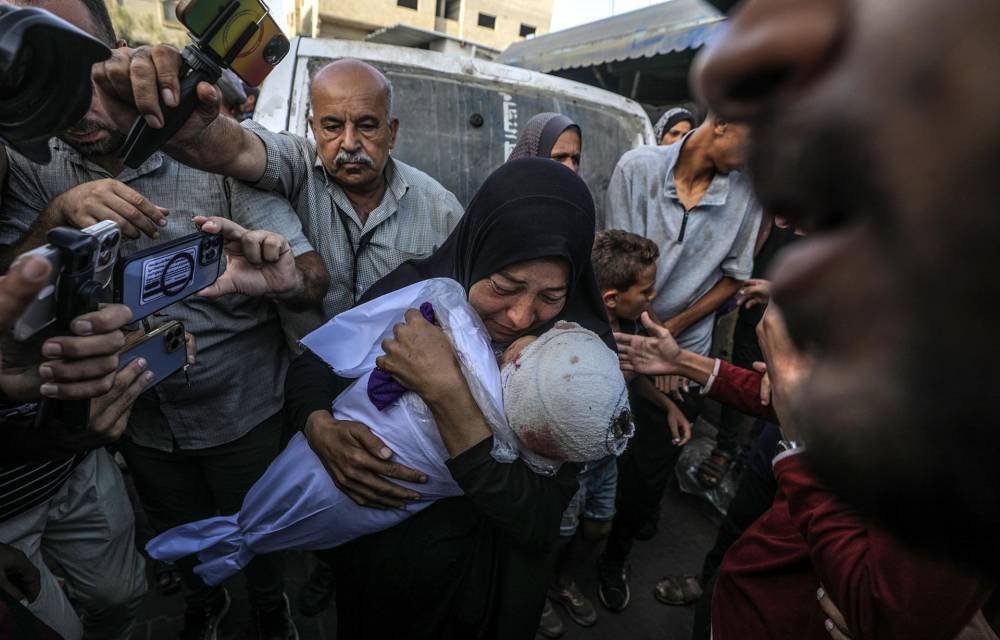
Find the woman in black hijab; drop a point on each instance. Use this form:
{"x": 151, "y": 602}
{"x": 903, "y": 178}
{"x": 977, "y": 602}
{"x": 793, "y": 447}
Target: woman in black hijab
{"x": 473, "y": 566}
{"x": 552, "y": 136}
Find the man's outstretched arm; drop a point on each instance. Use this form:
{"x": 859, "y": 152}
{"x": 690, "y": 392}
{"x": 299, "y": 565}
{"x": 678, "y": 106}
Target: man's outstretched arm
{"x": 140, "y": 82}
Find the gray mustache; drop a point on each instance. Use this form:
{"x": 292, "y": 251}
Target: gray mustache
{"x": 353, "y": 157}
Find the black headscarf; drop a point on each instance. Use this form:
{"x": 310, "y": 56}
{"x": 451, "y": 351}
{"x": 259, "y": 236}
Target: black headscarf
{"x": 527, "y": 209}
{"x": 540, "y": 135}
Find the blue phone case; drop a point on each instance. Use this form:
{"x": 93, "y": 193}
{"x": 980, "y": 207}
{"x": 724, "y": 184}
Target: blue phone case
{"x": 164, "y": 351}
{"x": 154, "y": 278}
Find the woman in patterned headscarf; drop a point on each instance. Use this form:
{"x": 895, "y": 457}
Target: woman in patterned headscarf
{"x": 553, "y": 136}
{"x": 673, "y": 125}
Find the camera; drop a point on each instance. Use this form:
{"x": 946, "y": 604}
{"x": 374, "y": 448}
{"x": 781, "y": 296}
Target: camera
{"x": 236, "y": 34}
{"x": 45, "y": 85}
{"x": 104, "y": 254}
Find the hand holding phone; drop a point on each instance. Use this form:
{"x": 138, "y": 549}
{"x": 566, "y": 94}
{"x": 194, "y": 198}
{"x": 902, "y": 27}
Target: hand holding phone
{"x": 237, "y": 34}
{"x": 165, "y": 351}
{"x": 149, "y": 280}
{"x": 258, "y": 262}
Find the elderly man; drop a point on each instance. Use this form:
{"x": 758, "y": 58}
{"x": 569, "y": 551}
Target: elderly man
{"x": 893, "y": 292}
{"x": 194, "y": 445}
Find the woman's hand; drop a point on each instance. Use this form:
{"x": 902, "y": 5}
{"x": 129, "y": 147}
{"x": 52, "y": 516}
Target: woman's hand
{"x": 420, "y": 358}
{"x": 357, "y": 460}
{"x": 655, "y": 354}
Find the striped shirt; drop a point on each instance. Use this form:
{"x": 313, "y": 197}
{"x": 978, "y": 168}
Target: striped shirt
{"x": 238, "y": 379}
{"x": 415, "y": 216}
{"x": 26, "y": 486}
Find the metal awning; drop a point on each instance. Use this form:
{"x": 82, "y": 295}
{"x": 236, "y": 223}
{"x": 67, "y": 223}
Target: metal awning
{"x": 675, "y": 25}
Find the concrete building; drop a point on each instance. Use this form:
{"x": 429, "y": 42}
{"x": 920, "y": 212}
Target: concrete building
{"x": 475, "y": 28}
{"x": 493, "y": 24}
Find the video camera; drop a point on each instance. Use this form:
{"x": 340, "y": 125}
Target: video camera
{"x": 42, "y": 94}
{"x": 237, "y": 34}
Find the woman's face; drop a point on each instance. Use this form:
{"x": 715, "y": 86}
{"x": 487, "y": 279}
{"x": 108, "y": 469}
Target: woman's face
{"x": 520, "y": 297}
{"x": 675, "y": 132}
{"x": 567, "y": 149}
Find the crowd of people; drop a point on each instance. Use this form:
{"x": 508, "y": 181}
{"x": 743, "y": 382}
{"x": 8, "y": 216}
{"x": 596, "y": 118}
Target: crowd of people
{"x": 561, "y": 384}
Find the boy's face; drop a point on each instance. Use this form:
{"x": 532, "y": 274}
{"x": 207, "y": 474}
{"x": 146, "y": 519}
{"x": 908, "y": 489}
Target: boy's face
{"x": 629, "y": 304}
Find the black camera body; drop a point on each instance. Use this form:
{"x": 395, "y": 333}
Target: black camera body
{"x": 45, "y": 86}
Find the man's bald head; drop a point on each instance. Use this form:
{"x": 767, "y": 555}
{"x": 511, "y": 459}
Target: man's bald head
{"x": 352, "y": 77}
{"x": 352, "y": 122}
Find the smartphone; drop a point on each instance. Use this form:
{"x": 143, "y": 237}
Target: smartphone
{"x": 149, "y": 280}
{"x": 163, "y": 348}
{"x": 42, "y": 311}
{"x": 248, "y": 40}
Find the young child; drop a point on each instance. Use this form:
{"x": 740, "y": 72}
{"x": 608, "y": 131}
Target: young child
{"x": 625, "y": 266}
{"x": 560, "y": 397}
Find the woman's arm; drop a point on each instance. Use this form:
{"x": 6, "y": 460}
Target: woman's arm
{"x": 354, "y": 457}
{"x": 523, "y": 504}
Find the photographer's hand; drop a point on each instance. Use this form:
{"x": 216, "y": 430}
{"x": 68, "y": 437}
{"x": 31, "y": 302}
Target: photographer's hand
{"x": 109, "y": 413}
{"x": 142, "y": 81}
{"x": 18, "y": 576}
{"x": 258, "y": 262}
{"x": 107, "y": 199}
{"x": 17, "y": 290}
{"x": 82, "y": 365}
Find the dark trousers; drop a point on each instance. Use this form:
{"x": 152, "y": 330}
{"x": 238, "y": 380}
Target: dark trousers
{"x": 183, "y": 486}
{"x": 754, "y": 496}
{"x": 733, "y": 424}
{"x": 644, "y": 471}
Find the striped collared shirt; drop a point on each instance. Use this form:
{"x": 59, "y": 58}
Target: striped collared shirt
{"x": 414, "y": 218}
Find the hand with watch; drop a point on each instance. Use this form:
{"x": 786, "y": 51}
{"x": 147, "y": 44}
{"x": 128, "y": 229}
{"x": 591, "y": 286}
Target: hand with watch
{"x": 787, "y": 369}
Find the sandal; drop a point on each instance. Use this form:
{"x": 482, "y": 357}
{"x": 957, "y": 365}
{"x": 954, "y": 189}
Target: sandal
{"x": 168, "y": 579}
{"x": 678, "y": 590}
{"x": 714, "y": 468}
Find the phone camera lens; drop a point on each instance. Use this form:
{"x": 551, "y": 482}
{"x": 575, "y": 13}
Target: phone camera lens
{"x": 275, "y": 50}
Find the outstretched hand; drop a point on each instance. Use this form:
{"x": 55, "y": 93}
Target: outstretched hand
{"x": 787, "y": 368}
{"x": 258, "y": 262}
{"x": 655, "y": 354}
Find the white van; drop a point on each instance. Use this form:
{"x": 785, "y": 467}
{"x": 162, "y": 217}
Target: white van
{"x": 460, "y": 117}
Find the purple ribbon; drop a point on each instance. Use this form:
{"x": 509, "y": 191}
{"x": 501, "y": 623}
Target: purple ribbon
{"x": 383, "y": 389}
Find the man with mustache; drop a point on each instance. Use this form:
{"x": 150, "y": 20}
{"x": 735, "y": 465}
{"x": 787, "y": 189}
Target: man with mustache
{"x": 364, "y": 211}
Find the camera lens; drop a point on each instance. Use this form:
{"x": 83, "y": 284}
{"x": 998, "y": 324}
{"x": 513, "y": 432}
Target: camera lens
{"x": 275, "y": 50}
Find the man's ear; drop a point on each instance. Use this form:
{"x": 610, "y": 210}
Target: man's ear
{"x": 393, "y": 131}
{"x": 720, "y": 127}
{"x": 610, "y": 297}
{"x": 121, "y": 43}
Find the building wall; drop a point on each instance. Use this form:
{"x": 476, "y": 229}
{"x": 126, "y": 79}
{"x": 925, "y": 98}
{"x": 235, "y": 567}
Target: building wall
{"x": 354, "y": 19}
{"x": 147, "y": 21}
